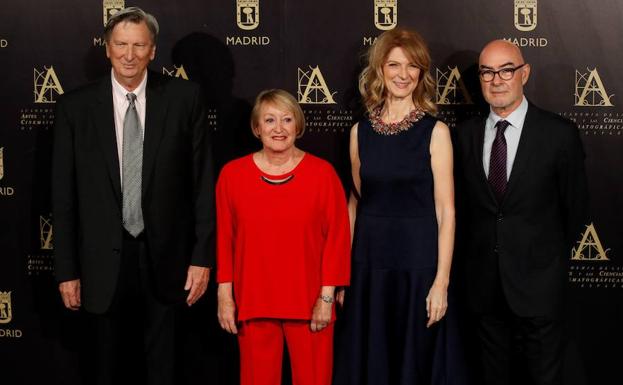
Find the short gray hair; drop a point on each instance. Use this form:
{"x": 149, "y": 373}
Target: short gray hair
{"x": 132, "y": 15}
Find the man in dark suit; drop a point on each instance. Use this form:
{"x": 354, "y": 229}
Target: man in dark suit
{"x": 132, "y": 203}
{"x": 521, "y": 197}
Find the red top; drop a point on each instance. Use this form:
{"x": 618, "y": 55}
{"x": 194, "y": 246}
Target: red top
{"x": 279, "y": 243}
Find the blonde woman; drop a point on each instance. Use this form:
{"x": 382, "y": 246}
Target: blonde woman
{"x": 283, "y": 245}
{"x": 402, "y": 215}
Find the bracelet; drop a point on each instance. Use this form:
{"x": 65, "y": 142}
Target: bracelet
{"x": 326, "y": 298}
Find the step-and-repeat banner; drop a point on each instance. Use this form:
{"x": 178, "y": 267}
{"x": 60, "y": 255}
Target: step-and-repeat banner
{"x": 313, "y": 49}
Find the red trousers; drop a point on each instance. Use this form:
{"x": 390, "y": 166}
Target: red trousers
{"x": 261, "y": 352}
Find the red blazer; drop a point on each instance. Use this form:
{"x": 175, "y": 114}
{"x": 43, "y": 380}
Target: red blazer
{"x": 279, "y": 244}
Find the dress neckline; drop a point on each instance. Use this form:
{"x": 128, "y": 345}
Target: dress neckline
{"x": 277, "y": 179}
{"x": 380, "y": 127}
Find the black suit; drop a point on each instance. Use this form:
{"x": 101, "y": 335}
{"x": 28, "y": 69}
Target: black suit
{"x": 177, "y": 192}
{"x": 515, "y": 251}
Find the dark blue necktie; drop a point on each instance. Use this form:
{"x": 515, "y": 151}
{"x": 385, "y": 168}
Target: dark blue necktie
{"x": 497, "y": 162}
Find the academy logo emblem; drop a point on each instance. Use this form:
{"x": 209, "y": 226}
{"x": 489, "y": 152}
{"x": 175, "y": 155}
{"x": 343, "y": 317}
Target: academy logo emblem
{"x": 525, "y": 15}
{"x": 385, "y": 14}
{"x": 450, "y": 88}
{"x": 47, "y": 86}
{"x": 6, "y": 311}
{"x": 111, "y": 7}
{"x": 45, "y": 233}
{"x": 590, "y": 90}
{"x": 248, "y": 14}
{"x": 589, "y": 248}
{"x": 312, "y": 88}
{"x": 176, "y": 72}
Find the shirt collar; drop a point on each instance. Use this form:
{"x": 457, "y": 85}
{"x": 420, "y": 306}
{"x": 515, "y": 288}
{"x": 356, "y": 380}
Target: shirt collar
{"x": 121, "y": 92}
{"x": 516, "y": 118}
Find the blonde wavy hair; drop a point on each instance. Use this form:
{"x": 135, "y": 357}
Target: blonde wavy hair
{"x": 371, "y": 84}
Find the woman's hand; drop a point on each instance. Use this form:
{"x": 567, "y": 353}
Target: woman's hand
{"x": 436, "y": 302}
{"x": 227, "y": 308}
{"x": 321, "y": 315}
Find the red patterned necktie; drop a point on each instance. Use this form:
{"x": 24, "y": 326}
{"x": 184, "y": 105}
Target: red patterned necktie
{"x": 497, "y": 162}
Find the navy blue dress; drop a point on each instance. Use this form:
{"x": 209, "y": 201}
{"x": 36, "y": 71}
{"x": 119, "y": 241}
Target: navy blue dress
{"x": 381, "y": 337}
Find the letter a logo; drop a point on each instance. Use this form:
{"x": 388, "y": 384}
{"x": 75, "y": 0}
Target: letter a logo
{"x": 450, "y": 88}
{"x": 45, "y": 230}
{"x": 312, "y": 88}
{"x": 176, "y": 72}
{"x": 590, "y": 90}
{"x": 47, "y": 85}
{"x": 589, "y": 247}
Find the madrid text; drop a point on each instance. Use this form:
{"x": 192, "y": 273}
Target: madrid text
{"x": 247, "y": 40}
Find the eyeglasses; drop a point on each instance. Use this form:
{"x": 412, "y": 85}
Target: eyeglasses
{"x": 504, "y": 73}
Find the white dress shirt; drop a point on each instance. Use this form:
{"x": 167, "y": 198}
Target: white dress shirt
{"x": 120, "y": 105}
{"x": 512, "y": 135}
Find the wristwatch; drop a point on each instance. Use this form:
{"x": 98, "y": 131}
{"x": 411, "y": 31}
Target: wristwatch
{"x": 326, "y": 298}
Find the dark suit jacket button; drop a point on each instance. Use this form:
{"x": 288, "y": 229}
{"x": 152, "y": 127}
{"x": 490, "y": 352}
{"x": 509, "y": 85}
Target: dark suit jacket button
{"x": 116, "y": 251}
{"x": 500, "y": 217}
{"x": 495, "y": 249}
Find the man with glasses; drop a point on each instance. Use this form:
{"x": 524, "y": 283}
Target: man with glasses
{"x": 521, "y": 199}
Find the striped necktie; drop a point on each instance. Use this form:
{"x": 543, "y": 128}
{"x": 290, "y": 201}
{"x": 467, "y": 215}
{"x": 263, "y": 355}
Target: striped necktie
{"x": 497, "y": 163}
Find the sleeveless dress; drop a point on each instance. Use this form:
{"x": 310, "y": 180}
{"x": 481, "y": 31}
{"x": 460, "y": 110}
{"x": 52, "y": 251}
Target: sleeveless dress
{"x": 381, "y": 337}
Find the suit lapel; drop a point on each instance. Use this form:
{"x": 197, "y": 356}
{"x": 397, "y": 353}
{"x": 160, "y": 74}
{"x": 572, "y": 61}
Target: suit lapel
{"x": 478, "y": 145}
{"x": 524, "y": 150}
{"x": 103, "y": 117}
{"x": 155, "y": 113}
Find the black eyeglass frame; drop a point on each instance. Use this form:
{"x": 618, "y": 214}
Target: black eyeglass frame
{"x": 509, "y": 71}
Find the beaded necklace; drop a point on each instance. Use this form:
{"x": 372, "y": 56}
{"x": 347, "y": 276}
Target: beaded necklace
{"x": 394, "y": 128}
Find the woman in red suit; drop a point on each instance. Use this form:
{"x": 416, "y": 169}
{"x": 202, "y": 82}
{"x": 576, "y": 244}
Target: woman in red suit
{"x": 283, "y": 245}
